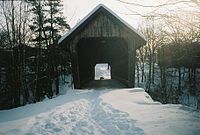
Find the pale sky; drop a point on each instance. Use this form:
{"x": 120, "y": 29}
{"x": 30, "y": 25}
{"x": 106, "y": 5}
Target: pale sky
{"x": 75, "y": 10}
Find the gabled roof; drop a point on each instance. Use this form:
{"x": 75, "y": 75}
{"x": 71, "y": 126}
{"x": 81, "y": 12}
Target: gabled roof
{"x": 96, "y": 9}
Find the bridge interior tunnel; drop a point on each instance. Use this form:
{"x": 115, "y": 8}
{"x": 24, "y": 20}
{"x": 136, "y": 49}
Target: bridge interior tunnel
{"x": 112, "y": 50}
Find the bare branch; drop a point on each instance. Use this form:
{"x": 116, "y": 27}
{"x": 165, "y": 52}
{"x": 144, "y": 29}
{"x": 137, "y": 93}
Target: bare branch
{"x": 168, "y": 3}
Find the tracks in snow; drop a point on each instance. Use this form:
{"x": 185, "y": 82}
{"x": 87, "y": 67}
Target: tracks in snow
{"x": 85, "y": 117}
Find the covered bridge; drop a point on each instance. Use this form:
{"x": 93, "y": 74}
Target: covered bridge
{"x": 102, "y": 37}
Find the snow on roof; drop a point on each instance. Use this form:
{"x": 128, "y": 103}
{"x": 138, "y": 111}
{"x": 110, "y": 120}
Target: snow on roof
{"x": 92, "y": 12}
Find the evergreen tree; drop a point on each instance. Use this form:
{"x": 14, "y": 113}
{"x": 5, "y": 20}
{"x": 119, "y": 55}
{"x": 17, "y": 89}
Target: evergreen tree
{"x": 39, "y": 38}
{"x": 48, "y": 22}
{"x": 55, "y": 24}
{"x": 38, "y": 19}
{"x": 55, "y": 21}
{"x": 47, "y": 25}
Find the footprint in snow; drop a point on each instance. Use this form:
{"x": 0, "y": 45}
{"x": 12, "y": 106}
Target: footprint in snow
{"x": 113, "y": 121}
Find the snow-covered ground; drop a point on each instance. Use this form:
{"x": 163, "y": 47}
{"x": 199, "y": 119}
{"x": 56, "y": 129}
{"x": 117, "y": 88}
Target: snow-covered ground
{"x": 100, "y": 112}
{"x": 109, "y": 112}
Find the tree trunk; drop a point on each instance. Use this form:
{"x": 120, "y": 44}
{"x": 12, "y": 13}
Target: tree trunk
{"x": 149, "y": 76}
{"x": 138, "y": 74}
{"x": 163, "y": 84}
{"x": 179, "y": 81}
{"x": 38, "y": 56}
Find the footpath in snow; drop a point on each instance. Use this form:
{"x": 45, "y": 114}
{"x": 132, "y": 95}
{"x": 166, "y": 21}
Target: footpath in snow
{"x": 100, "y": 112}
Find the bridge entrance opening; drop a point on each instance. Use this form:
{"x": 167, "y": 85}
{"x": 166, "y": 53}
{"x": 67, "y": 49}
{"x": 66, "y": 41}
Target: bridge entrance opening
{"x": 102, "y": 59}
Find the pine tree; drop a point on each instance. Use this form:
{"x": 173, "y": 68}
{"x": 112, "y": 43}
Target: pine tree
{"x": 37, "y": 22}
{"x": 47, "y": 25}
{"x": 55, "y": 21}
{"x": 48, "y": 20}
{"x": 39, "y": 36}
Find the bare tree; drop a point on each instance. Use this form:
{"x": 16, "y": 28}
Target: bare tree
{"x": 166, "y": 23}
{"x": 14, "y": 24}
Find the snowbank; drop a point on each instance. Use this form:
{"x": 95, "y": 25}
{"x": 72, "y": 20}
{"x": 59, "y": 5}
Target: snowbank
{"x": 153, "y": 117}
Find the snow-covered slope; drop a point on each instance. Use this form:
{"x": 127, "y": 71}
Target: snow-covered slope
{"x": 110, "y": 112}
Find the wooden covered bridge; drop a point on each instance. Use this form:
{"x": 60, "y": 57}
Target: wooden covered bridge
{"x": 102, "y": 37}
